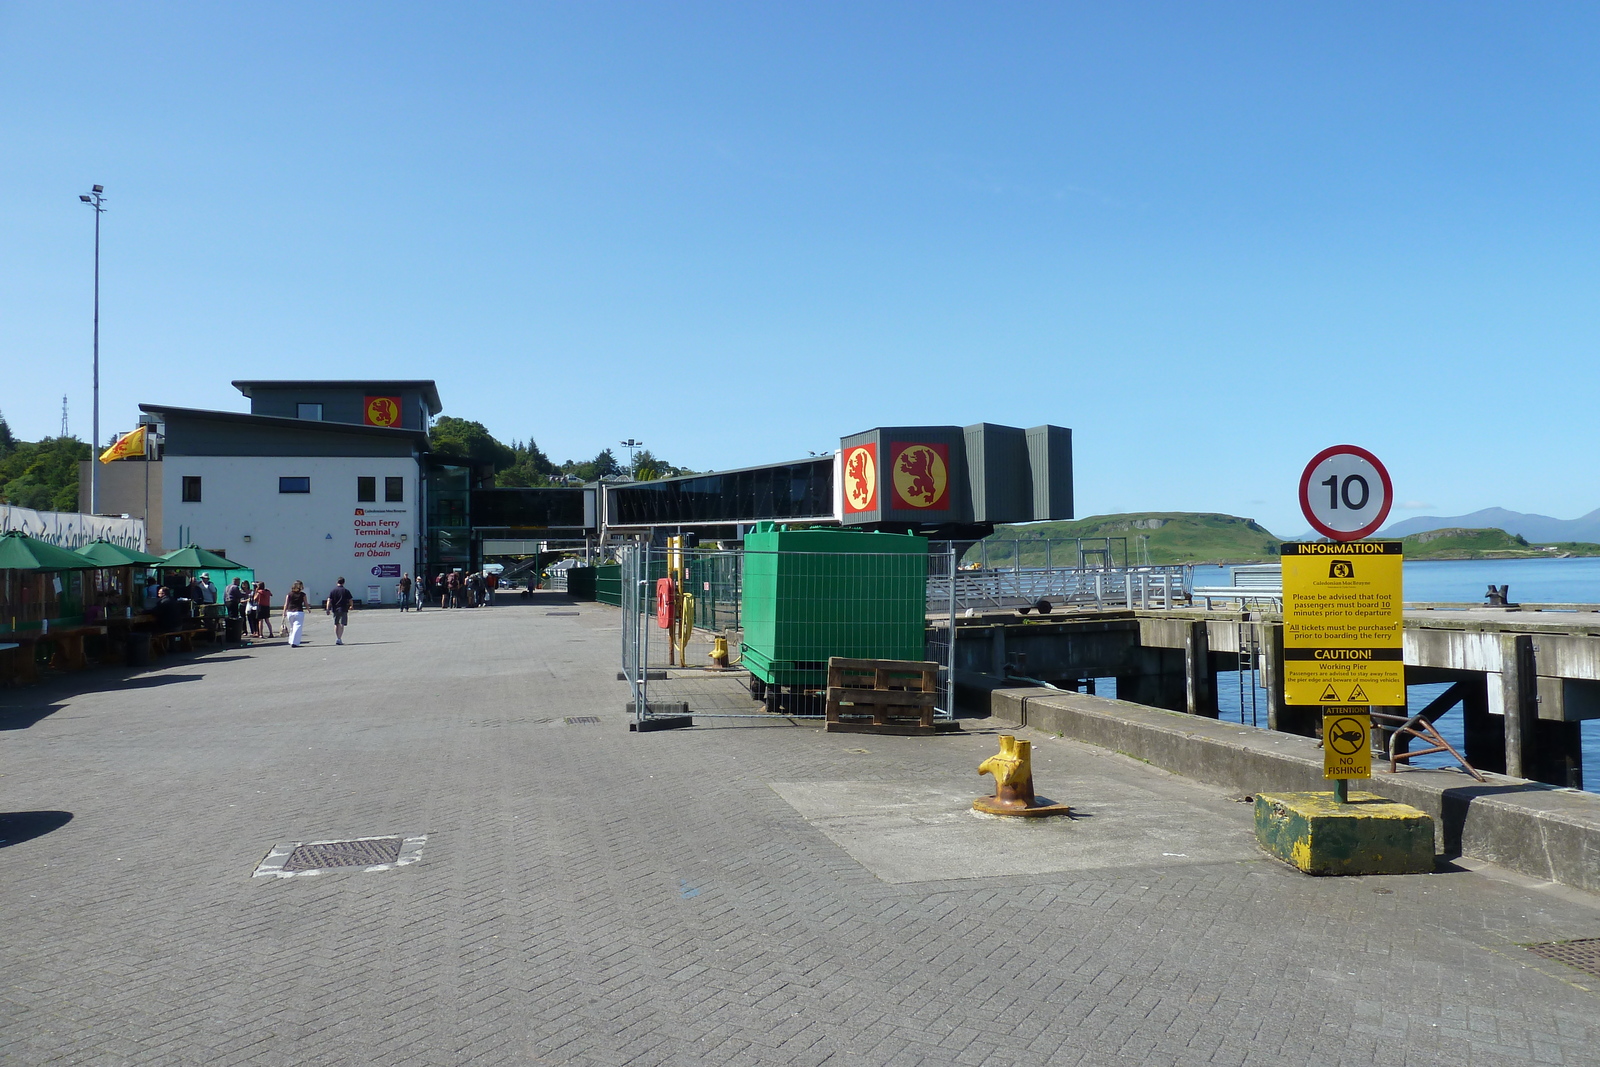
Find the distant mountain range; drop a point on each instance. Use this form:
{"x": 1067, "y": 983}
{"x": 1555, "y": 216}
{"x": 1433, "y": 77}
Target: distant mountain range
{"x": 1538, "y": 528}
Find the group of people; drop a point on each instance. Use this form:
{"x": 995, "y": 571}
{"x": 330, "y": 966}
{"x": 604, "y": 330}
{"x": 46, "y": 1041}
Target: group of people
{"x": 453, "y": 590}
{"x": 253, "y": 604}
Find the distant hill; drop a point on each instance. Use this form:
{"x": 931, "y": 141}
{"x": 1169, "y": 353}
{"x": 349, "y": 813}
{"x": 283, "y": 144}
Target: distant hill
{"x": 1541, "y": 529}
{"x": 1169, "y": 536}
{"x": 1459, "y": 543}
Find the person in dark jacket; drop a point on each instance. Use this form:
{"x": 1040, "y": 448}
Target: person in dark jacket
{"x": 171, "y": 613}
{"x": 339, "y": 601}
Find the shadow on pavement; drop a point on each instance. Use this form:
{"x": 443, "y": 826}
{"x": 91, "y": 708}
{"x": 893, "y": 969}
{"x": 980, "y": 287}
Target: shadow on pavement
{"x": 19, "y": 826}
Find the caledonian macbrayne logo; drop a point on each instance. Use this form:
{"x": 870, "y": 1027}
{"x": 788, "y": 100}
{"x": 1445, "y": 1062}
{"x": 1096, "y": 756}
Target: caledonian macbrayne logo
{"x": 861, "y": 478}
{"x": 921, "y": 476}
{"x": 383, "y": 411}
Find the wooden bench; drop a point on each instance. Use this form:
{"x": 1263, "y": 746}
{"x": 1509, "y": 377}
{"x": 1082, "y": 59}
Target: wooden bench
{"x": 883, "y": 696}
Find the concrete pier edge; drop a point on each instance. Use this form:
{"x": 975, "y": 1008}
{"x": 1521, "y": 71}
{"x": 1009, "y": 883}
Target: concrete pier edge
{"x": 1540, "y": 830}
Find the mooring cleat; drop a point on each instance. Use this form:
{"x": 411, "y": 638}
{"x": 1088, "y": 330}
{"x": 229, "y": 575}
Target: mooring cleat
{"x": 1012, "y": 768}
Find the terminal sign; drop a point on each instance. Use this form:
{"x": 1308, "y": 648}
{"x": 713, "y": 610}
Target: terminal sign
{"x": 1342, "y": 641}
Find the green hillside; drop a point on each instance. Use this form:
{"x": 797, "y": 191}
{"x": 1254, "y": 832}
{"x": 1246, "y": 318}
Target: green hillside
{"x": 1168, "y": 536}
{"x": 1459, "y": 543}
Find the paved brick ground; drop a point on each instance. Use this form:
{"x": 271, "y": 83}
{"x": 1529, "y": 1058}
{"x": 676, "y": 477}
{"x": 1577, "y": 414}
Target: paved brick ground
{"x": 591, "y": 896}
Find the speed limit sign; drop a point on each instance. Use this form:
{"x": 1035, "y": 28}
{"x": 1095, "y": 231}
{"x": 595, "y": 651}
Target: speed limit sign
{"x": 1345, "y": 493}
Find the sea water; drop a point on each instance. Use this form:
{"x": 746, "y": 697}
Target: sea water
{"x": 1532, "y": 581}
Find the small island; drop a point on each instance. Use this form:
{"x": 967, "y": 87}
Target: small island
{"x": 1172, "y": 537}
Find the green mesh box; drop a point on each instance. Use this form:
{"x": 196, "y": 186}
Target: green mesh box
{"x": 811, "y": 594}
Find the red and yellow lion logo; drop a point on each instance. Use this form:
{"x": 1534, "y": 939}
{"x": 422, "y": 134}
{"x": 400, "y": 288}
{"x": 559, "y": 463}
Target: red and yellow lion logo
{"x": 861, "y": 478}
{"x": 383, "y": 411}
{"x": 921, "y": 476}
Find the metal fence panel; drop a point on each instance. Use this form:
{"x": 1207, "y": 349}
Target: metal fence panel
{"x": 783, "y": 614}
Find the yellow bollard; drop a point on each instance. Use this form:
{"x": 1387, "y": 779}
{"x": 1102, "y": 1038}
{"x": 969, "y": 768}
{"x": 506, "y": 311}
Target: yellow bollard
{"x": 1012, "y": 768}
{"x": 719, "y": 652}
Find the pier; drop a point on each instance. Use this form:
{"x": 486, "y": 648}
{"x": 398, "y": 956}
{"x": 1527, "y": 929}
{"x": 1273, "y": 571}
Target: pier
{"x": 1523, "y": 679}
{"x": 751, "y": 892}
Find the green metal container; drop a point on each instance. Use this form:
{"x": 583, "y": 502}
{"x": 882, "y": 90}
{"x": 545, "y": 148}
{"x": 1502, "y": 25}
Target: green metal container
{"x": 608, "y": 584}
{"x": 581, "y": 583}
{"x": 812, "y": 594}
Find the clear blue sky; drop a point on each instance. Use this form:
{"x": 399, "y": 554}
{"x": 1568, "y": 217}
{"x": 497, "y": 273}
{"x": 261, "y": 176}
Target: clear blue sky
{"x": 1210, "y": 238}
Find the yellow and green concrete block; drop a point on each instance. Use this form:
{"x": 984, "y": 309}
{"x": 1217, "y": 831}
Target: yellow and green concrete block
{"x": 1369, "y": 835}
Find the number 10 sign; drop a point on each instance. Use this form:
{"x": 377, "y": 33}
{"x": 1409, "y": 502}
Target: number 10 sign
{"x": 1345, "y": 493}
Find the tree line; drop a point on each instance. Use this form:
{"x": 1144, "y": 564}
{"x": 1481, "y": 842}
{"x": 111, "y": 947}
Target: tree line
{"x": 42, "y": 475}
{"x": 525, "y": 465}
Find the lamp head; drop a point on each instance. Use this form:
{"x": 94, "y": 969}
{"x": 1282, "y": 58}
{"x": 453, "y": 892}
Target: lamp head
{"x": 84, "y": 197}
{"x": 99, "y": 188}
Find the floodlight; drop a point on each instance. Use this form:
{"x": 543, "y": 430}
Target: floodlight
{"x": 84, "y": 197}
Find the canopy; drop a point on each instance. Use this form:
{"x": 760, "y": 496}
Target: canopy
{"x": 195, "y": 558}
{"x": 106, "y": 554}
{"x": 19, "y": 552}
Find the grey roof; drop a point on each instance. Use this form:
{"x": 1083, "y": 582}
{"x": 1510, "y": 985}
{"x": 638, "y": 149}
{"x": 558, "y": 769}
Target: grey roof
{"x": 305, "y": 425}
{"x": 426, "y": 386}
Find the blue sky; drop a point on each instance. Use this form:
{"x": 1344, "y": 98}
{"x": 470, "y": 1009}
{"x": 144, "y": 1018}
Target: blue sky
{"x": 1212, "y": 239}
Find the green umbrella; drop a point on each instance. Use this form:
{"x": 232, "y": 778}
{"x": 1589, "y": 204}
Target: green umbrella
{"x": 19, "y": 552}
{"x": 106, "y": 554}
{"x": 195, "y": 558}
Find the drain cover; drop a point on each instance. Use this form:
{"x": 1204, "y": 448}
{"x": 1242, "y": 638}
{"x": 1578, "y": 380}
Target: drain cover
{"x": 367, "y": 853}
{"x": 583, "y": 720}
{"x": 1583, "y": 954}
{"x": 362, "y": 852}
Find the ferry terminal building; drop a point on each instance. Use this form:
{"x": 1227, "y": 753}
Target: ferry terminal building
{"x": 323, "y": 479}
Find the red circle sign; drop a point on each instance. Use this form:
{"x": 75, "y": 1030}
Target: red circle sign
{"x": 1345, "y": 493}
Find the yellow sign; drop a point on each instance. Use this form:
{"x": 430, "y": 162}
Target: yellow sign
{"x": 129, "y": 444}
{"x": 1346, "y": 742}
{"x": 1342, "y": 641}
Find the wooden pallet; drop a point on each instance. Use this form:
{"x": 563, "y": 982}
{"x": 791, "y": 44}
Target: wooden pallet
{"x": 883, "y": 696}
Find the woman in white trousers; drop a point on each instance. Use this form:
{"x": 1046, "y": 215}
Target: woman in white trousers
{"x": 294, "y": 613}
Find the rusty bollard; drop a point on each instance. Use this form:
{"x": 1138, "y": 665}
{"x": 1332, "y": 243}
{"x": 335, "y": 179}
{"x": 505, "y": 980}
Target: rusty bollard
{"x": 1012, "y": 768}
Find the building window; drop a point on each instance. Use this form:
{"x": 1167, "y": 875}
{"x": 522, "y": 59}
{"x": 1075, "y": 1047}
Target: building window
{"x": 366, "y": 490}
{"x": 394, "y": 490}
{"x": 294, "y": 485}
{"x": 191, "y": 489}
{"x": 309, "y": 411}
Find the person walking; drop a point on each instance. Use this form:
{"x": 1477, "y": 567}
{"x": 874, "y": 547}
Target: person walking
{"x": 339, "y": 601}
{"x": 405, "y": 592}
{"x": 294, "y": 613}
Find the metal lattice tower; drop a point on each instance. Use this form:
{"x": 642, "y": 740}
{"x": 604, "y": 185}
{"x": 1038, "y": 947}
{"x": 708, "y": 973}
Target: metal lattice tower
{"x": 64, "y": 432}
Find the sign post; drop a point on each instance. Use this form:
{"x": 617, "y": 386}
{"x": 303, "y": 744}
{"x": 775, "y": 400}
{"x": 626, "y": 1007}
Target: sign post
{"x": 1343, "y": 646}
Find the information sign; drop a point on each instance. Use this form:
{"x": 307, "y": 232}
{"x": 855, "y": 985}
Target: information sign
{"x": 1342, "y": 639}
{"x": 1345, "y": 493}
{"x": 1346, "y": 742}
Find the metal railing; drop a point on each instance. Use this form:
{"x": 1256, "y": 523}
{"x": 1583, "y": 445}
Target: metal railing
{"x": 1133, "y": 587}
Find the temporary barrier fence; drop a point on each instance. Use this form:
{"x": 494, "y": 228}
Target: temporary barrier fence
{"x": 782, "y": 615}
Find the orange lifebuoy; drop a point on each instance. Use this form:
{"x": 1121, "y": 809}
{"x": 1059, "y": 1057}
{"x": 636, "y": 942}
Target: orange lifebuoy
{"x": 664, "y": 603}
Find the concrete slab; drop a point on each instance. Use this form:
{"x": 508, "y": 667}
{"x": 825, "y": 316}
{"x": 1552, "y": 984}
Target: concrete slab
{"x": 919, "y": 832}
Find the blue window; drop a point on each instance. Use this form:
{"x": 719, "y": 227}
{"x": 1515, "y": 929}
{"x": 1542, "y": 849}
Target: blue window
{"x": 294, "y": 485}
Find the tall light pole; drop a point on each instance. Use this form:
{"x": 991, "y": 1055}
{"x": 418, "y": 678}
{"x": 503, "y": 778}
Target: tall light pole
{"x": 97, "y": 201}
{"x": 630, "y": 444}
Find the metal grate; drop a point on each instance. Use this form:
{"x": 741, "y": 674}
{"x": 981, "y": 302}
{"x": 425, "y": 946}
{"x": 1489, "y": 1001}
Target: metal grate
{"x": 583, "y": 720}
{"x": 1584, "y": 954}
{"x": 322, "y": 855}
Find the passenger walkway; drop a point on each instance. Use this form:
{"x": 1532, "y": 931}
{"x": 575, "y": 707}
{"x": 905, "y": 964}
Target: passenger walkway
{"x": 744, "y": 893}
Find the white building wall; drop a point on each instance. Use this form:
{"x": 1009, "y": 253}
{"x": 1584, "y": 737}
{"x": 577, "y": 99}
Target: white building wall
{"x": 315, "y": 537}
